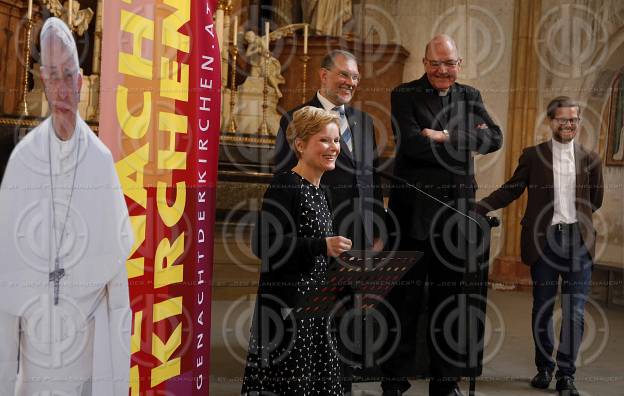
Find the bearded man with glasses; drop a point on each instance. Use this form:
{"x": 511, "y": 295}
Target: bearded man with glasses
{"x": 565, "y": 186}
{"x": 438, "y": 126}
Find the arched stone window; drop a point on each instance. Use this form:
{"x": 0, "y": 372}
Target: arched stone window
{"x": 615, "y": 138}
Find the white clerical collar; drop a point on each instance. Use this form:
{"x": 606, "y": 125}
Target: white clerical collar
{"x": 327, "y": 104}
{"x": 443, "y": 92}
{"x": 561, "y": 147}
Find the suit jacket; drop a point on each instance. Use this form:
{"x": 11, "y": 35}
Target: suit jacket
{"x": 444, "y": 170}
{"x": 535, "y": 172}
{"x": 354, "y": 185}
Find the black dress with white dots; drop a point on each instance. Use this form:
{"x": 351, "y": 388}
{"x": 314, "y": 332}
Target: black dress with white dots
{"x": 299, "y": 359}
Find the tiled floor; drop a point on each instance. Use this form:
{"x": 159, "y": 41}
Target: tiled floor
{"x": 509, "y": 355}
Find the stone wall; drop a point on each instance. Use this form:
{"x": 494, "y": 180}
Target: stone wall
{"x": 581, "y": 59}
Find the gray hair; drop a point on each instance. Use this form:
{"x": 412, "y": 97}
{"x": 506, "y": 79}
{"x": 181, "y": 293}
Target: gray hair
{"x": 329, "y": 60}
{"x": 55, "y": 29}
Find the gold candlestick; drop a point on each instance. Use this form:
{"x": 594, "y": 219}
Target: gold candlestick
{"x": 232, "y": 128}
{"x": 304, "y": 77}
{"x": 24, "y": 105}
{"x": 264, "y": 127}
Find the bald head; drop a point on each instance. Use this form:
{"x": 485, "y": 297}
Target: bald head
{"x": 441, "y": 42}
{"x": 442, "y": 62}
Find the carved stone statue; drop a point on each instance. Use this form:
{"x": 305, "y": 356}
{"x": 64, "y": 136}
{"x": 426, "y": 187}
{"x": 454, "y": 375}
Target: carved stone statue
{"x": 255, "y": 55}
{"x": 327, "y": 17}
{"x": 55, "y": 7}
{"x": 250, "y": 98}
{"x": 80, "y": 18}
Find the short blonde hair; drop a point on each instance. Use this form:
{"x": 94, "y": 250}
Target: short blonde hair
{"x": 309, "y": 121}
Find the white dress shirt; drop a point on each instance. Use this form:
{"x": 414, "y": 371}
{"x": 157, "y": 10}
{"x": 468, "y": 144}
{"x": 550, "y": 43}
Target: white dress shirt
{"x": 327, "y": 104}
{"x": 564, "y": 179}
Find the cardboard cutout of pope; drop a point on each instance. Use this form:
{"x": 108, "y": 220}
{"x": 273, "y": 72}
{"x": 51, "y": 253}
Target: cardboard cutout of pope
{"x": 64, "y": 235}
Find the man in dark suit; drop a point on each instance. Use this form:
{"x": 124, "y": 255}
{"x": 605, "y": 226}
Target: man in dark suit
{"x": 438, "y": 126}
{"x": 354, "y": 186}
{"x": 355, "y": 192}
{"x": 558, "y": 238}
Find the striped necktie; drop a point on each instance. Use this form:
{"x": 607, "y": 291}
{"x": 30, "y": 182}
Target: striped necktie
{"x": 345, "y": 131}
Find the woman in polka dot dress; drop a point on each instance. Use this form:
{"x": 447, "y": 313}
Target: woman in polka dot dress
{"x": 290, "y": 354}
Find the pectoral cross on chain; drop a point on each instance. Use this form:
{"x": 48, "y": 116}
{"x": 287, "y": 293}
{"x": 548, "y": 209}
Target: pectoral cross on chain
{"x": 56, "y": 276}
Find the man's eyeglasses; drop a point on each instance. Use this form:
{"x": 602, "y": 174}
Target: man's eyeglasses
{"x": 564, "y": 121}
{"x": 343, "y": 74}
{"x": 448, "y": 63}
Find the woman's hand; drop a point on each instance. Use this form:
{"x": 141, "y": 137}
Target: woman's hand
{"x": 337, "y": 245}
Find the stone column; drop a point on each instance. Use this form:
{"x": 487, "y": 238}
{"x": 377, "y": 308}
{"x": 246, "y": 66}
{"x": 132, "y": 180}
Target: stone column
{"x": 523, "y": 101}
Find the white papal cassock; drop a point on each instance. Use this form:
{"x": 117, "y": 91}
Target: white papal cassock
{"x": 82, "y": 345}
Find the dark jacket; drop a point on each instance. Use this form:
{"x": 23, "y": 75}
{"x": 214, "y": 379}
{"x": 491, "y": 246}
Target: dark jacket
{"x": 353, "y": 179}
{"x": 535, "y": 173}
{"x": 444, "y": 170}
{"x": 284, "y": 255}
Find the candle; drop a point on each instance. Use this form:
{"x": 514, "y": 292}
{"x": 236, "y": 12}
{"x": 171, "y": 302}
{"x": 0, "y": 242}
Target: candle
{"x": 305, "y": 39}
{"x": 267, "y": 28}
{"x": 69, "y": 13}
{"x": 235, "y": 38}
{"x": 29, "y": 9}
{"x": 219, "y": 19}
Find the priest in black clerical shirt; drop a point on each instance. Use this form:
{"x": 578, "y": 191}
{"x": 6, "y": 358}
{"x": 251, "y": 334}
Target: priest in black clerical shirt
{"x": 439, "y": 125}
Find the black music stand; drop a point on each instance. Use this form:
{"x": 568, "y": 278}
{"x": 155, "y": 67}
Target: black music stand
{"x": 368, "y": 275}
